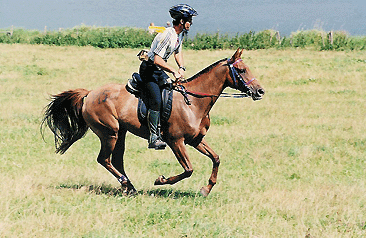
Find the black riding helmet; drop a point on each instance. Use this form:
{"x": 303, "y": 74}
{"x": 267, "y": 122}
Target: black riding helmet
{"x": 182, "y": 11}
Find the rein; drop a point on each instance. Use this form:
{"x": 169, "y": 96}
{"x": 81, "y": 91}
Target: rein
{"x": 180, "y": 88}
{"x": 234, "y": 95}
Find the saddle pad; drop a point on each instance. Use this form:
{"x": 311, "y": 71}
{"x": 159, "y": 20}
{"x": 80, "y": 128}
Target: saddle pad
{"x": 167, "y": 101}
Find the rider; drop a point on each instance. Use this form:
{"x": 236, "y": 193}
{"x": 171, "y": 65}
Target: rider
{"x": 152, "y": 70}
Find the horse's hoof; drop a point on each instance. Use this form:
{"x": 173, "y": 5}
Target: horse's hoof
{"x": 204, "y": 191}
{"x": 129, "y": 192}
{"x": 160, "y": 181}
{"x": 132, "y": 192}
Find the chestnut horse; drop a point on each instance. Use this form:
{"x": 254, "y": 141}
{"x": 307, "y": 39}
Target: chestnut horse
{"x": 111, "y": 111}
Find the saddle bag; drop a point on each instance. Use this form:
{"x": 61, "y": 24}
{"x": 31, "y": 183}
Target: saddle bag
{"x": 134, "y": 85}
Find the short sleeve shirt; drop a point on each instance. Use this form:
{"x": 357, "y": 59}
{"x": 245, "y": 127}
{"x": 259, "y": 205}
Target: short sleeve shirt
{"x": 165, "y": 44}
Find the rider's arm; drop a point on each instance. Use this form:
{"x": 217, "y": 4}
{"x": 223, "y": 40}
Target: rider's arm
{"x": 180, "y": 62}
{"x": 165, "y": 66}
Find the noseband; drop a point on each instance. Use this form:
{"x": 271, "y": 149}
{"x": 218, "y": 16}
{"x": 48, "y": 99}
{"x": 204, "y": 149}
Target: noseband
{"x": 237, "y": 77}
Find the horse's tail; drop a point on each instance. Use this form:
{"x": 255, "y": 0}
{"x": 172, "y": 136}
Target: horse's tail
{"x": 63, "y": 115}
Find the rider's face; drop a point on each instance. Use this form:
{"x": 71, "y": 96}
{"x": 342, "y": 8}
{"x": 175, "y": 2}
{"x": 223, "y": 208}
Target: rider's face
{"x": 188, "y": 24}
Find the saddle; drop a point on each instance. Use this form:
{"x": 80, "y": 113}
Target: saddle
{"x": 134, "y": 86}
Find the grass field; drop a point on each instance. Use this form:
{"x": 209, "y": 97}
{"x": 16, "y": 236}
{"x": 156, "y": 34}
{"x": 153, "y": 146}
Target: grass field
{"x": 292, "y": 165}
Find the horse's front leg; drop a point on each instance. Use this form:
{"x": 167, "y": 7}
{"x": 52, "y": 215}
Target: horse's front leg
{"x": 180, "y": 152}
{"x": 206, "y": 150}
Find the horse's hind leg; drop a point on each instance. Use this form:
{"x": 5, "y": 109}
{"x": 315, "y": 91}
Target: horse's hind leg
{"x": 104, "y": 157}
{"x": 205, "y": 149}
{"x": 117, "y": 162}
{"x": 108, "y": 139}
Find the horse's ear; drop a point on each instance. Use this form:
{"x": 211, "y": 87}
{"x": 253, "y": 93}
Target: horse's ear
{"x": 236, "y": 55}
{"x": 241, "y": 52}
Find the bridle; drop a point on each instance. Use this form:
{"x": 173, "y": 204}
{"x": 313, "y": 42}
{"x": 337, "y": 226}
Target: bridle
{"x": 235, "y": 75}
{"x": 238, "y": 78}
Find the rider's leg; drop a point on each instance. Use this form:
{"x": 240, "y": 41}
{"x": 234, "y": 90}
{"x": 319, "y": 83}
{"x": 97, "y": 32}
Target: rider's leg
{"x": 153, "y": 116}
{"x": 153, "y": 95}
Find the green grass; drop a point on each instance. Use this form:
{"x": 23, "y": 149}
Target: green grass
{"x": 292, "y": 164}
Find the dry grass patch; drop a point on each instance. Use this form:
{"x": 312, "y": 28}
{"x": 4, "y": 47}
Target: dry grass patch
{"x": 292, "y": 165}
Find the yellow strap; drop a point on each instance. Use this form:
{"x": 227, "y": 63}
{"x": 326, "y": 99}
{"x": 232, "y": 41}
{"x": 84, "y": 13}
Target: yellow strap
{"x": 158, "y": 29}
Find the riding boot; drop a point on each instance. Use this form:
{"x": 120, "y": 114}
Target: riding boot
{"x": 155, "y": 141}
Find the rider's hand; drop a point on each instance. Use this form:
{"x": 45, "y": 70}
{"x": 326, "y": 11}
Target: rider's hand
{"x": 181, "y": 72}
{"x": 177, "y": 75}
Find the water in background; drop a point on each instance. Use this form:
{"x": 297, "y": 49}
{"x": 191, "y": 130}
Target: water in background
{"x": 229, "y": 16}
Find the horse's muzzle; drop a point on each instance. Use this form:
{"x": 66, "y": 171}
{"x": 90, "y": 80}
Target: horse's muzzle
{"x": 258, "y": 94}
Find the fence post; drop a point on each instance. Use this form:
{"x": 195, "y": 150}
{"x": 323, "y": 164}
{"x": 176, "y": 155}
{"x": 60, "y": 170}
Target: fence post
{"x": 277, "y": 34}
{"x": 330, "y": 35}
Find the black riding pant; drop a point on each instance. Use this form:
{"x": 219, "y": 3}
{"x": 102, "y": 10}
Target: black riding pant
{"x": 152, "y": 77}
{"x": 153, "y": 96}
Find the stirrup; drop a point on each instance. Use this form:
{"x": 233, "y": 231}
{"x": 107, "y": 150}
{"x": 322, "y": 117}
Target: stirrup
{"x": 157, "y": 144}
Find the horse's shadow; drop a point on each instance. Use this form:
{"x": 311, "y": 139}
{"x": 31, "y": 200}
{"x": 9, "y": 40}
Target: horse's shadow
{"x": 169, "y": 193}
{"x": 109, "y": 190}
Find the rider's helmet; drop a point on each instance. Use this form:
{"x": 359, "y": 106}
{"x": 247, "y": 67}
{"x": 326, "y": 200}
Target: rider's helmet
{"x": 182, "y": 11}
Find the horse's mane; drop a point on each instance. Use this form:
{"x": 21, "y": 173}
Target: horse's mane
{"x": 205, "y": 70}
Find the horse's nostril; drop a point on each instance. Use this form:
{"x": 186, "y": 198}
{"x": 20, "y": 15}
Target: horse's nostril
{"x": 261, "y": 91}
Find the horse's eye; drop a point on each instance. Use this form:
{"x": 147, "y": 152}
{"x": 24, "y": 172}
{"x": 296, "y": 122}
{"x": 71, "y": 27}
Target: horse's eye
{"x": 242, "y": 71}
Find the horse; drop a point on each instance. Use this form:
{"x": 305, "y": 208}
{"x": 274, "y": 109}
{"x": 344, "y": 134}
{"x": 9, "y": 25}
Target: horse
{"x": 110, "y": 111}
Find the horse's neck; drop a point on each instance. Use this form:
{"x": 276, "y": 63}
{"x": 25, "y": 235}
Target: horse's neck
{"x": 210, "y": 83}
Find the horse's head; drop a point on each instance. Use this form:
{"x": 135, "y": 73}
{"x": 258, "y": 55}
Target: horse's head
{"x": 242, "y": 79}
